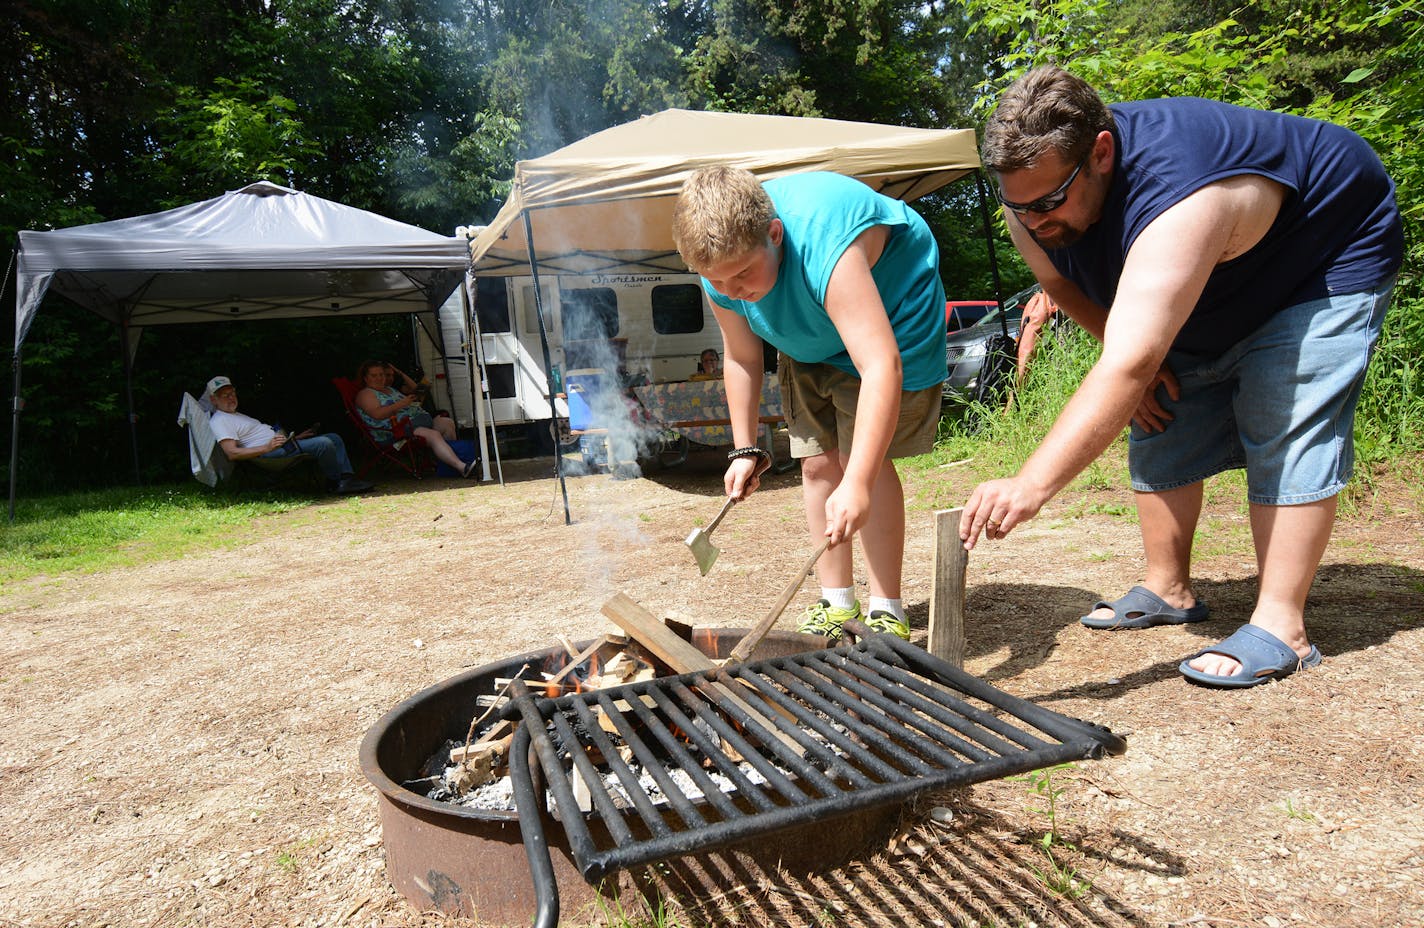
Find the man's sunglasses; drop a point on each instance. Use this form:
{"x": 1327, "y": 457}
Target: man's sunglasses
{"x": 1049, "y": 201}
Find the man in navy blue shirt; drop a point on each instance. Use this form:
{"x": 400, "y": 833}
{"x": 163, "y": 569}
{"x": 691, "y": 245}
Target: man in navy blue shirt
{"x": 1236, "y": 265}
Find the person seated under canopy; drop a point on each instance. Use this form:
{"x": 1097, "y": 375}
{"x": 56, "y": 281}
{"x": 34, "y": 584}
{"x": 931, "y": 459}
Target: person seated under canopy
{"x": 242, "y": 437}
{"x": 380, "y": 405}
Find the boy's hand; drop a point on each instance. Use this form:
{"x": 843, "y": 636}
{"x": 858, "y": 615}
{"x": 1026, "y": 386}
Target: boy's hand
{"x": 847, "y": 509}
{"x": 743, "y": 476}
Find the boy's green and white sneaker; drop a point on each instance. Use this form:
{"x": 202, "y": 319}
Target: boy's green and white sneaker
{"x": 821, "y": 618}
{"x": 881, "y": 621}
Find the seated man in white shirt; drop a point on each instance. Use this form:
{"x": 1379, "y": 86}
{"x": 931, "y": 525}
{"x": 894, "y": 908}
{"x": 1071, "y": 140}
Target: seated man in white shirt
{"x": 242, "y": 437}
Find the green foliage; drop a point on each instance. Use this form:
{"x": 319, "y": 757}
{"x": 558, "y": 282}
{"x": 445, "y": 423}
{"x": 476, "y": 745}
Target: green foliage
{"x": 1392, "y": 404}
{"x": 417, "y": 109}
{"x": 1001, "y": 439}
{"x": 1214, "y": 60}
{"x": 875, "y": 60}
{"x": 955, "y": 216}
{"x": 1060, "y": 879}
{"x": 236, "y": 133}
{"x": 564, "y": 70}
{"x": 1383, "y": 100}
{"x": 1292, "y": 811}
{"x": 1348, "y": 63}
{"x": 473, "y": 172}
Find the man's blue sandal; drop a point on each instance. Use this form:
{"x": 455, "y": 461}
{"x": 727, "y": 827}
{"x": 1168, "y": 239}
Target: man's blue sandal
{"x": 1262, "y": 656}
{"x": 1142, "y": 608}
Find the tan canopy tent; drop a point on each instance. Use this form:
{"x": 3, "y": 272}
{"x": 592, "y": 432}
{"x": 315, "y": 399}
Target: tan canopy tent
{"x": 604, "y": 203}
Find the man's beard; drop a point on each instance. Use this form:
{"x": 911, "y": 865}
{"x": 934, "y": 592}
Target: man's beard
{"x": 1057, "y": 235}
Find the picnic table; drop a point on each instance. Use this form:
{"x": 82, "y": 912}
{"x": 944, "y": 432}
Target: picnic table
{"x": 697, "y": 409}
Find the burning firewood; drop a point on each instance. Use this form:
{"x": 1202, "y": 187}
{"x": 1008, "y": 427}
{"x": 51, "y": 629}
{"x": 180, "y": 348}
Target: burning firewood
{"x": 476, "y": 760}
{"x": 641, "y": 651}
{"x": 480, "y": 762}
{"x": 494, "y": 742}
{"x": 682, "y": 657}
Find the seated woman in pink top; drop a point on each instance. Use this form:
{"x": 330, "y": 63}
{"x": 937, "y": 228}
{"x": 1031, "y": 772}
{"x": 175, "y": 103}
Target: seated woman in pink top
{"x": 381, "y": 406}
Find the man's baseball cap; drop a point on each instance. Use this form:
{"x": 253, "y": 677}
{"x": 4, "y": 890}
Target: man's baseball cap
{"x": 217, "y": 383}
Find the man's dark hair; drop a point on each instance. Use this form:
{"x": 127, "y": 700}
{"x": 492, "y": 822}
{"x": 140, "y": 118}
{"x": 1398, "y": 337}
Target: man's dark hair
{"x": 1047, "y": 109}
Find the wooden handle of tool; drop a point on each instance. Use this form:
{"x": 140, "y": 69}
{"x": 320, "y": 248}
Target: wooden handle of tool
{"x": 763, "y": 462}
{"x": 754, "y": 637}
{"x": 715, "y": 522}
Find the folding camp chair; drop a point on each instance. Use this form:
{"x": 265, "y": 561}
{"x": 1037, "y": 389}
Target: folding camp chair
{"x": 400, "y": 450}
{"x": 211, "y": 466}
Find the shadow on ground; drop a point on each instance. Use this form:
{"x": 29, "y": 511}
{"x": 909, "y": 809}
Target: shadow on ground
{"x": 953, "y": 862}
{"x": 1351, "y": 607}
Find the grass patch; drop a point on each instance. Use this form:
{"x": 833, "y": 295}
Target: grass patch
{"x": 995, "y": 442}
{"x": 1291, "y": 810}
{"x": 998, "y": 440}
{"x": 99, "y": 529}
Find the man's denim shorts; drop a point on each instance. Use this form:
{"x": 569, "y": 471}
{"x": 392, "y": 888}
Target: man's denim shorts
{"x": 1280, "y": 403}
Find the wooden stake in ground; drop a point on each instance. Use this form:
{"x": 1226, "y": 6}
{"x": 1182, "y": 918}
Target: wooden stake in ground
{"x": 951, "y": 561}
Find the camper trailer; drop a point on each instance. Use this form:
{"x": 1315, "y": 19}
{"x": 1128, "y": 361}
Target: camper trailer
{"x": 658, "y": 323}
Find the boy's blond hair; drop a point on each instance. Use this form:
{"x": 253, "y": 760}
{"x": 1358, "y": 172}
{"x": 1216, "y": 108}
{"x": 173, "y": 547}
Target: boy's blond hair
{"x": 721, "y": 213}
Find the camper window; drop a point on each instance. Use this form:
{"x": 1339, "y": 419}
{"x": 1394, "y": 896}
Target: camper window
{"x": 530, "y": 318}
{"x": 589, "y": 314}
{"x": 677, "y": 309}
{"x": 492, "y": 305}
{"x": 500, "y": 378}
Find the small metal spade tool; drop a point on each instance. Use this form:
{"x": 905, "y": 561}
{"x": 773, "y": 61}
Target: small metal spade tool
{"x": 700, "y": 539}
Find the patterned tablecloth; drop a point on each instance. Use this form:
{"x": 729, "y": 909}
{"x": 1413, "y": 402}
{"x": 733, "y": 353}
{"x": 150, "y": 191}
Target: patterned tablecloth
{"x": 680, "y": 405}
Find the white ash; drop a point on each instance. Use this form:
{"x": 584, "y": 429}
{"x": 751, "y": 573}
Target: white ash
{"x": 684, "y": 782}
{"x": 498, "y": 794}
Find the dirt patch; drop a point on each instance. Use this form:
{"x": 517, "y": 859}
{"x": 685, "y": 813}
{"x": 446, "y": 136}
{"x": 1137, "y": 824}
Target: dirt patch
{"x": 179, "y": 744}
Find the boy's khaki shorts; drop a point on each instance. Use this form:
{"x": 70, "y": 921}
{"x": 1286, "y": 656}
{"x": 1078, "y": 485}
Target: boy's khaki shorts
{"x": 819, "y": 403}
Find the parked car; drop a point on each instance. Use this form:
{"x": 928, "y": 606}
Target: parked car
{"x": 968, "y": 349}
{"x": 961, "y": 314}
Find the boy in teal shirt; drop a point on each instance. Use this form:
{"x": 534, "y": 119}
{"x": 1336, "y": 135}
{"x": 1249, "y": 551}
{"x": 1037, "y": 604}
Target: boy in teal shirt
{"x": 844, "y": 283}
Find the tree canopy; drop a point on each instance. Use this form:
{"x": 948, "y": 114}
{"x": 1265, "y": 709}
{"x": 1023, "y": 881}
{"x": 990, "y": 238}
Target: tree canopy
{"x": 418, "y": 109}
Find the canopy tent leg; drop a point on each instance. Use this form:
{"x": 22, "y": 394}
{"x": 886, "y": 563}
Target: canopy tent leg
{"x": 418, "y": 323}
{"x": 989, "y": 242}
{"x": 17, "y": 405}
{"x": 128, "y": 395}
{"x": 437, "y": 338}
{"x": 479, "y": 387}
{"x": 548, "y": 364}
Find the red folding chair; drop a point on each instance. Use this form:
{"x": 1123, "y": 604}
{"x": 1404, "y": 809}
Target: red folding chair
{"x": 399, "y": 450}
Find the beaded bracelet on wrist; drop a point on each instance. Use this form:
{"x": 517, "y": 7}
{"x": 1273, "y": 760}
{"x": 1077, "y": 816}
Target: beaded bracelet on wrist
{"x": 747, "y": 452}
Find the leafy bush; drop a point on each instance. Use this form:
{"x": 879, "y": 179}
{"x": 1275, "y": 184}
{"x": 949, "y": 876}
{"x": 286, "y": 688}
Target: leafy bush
{"x": 1344, "y": 62}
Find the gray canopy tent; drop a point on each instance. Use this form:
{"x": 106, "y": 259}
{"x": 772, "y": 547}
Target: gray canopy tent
{"x": 261, "y": 252}
{"x": 603, "y": 205}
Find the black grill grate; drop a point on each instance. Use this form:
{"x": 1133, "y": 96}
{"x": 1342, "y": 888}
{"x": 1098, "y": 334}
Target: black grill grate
{"x": 819, "y": 734}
